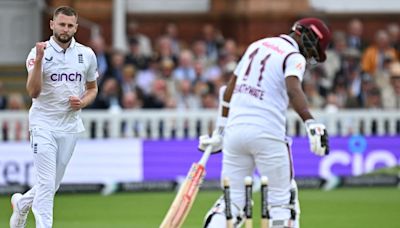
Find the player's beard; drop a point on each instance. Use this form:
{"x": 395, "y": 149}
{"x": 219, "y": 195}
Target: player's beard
{"x": 63, "y": 38}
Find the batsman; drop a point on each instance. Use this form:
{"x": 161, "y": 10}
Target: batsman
{"x": 251, "y": 126}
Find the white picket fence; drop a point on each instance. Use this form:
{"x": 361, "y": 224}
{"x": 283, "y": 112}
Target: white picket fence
{"x": 167, "y": 124}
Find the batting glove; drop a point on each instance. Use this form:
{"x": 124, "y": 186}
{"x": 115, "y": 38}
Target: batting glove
{"x": 318, "y": 137}
{"x": 215, "y": 141}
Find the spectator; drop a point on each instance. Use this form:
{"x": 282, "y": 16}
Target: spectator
{"x": 373, "y": 99}
{"x": 310, "y": 88}
{"x": 202, "y": 87}
{"x": 215, "y": 72}
{"x": 350, "y": 61}
{"x": 135, "y": 56}
{"x": 334, "y": 58}
{"x": 164, "y": 50}
{"x": 110, "y": 96}
{"x": 393, "y": 30}
{"x": 159, "y": 96}
{"x": 103, "y": 57}
{"x": 209, "y": 97}
{"x": 108, "y": 99}
{"x": 172, "y": 32}
{"x": 199, "y": 68}
{"x": 214, "y": 41}
{"x": 131, "y": 100}
{"x": 209, "y": 100}
{"x": 354, "y": 34}
{"x": 145, "y": 46}
{"x": 340, "y": 90}
{"x": 15, "y": 103}
{"x": 117, "y": 65}
{"x": 231, "y": 50}
{"x": 375, "y": 55}
{"x": 185, "y": 69}
{"x": 391, "y": 95}
{"x": 354, "y": 81}
{"x": 199, "y": 49}
{"x": 332, "y": 105}
{"x": 317, "y": 75}
{"x": 145, "y": 78}
{"x": 166, "y": 69}
{"x": 367, "y": 84}
{"x": 186, "y": 99}
{"x": 3, "y": 97}
{"x": 128, "y": 79}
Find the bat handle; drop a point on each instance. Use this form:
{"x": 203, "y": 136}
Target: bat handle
{"x": 205, "y": 156}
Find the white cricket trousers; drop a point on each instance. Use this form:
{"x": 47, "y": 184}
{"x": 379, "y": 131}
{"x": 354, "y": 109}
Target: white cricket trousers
{"x": 51, "y": 153}
{"x": 246, "y": 148}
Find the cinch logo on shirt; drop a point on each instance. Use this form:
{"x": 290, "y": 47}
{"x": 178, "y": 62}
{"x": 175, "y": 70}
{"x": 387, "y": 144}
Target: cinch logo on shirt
{"x": 66, "y": 77}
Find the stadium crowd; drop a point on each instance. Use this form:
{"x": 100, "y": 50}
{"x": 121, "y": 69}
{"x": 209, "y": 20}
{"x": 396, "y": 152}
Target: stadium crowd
{"x": 173, "y": 74}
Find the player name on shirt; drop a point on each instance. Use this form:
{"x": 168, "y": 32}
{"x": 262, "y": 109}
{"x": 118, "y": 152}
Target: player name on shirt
{"x": 248, "y": 89}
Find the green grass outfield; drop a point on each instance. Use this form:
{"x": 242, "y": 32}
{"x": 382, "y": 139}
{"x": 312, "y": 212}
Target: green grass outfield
{"x": 341, "y": 208}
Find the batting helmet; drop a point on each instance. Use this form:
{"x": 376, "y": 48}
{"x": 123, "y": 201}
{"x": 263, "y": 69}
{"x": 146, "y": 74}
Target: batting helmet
{"x": 314, "y": 37}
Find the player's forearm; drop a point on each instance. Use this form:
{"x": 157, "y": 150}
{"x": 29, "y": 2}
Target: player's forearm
{"x": 34, "y": 82}
{"x": 300, "y": 104}
{"x": 89, "y": 97}
{"x": 228, "y": 95}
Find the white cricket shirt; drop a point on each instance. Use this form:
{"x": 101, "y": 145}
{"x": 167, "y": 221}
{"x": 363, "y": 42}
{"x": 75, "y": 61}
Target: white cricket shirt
{"x": 260, "y": 97}
{"x": 65, "y": 74}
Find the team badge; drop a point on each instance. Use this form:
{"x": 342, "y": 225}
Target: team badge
{"x": 35, "y": 148}
{"x": 80, "y": 58}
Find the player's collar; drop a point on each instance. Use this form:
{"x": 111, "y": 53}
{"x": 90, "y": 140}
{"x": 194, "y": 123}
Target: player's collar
{"x": 57, "y": 47}
{"x": 290, "y": 40}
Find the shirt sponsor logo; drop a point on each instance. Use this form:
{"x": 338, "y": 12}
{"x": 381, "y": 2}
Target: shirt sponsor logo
{"x": 68, "y": 77}
{"x": 48, "y": 59}
{"x": 273, "y": 47}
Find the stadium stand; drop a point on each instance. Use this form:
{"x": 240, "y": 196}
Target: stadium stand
{"x": 163, "y": 85}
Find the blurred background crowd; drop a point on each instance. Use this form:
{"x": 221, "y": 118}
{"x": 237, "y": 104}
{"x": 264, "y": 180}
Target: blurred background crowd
{"x": 169, "y": 72}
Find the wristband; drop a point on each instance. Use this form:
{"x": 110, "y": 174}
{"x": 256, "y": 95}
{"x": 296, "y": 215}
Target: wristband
{"x": 225, "y": 104}
{"x": 309, "y": 121}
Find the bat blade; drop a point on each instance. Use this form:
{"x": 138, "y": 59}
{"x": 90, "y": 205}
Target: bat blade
{"x": 186, "y": 195}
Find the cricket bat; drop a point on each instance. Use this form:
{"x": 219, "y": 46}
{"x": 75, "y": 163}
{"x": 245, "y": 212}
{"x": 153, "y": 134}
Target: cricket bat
{"x": 187, "y": 193}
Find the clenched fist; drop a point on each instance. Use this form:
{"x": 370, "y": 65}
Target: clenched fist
{"x": 75, "y": 103}
{"x": 40, "y": 47}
